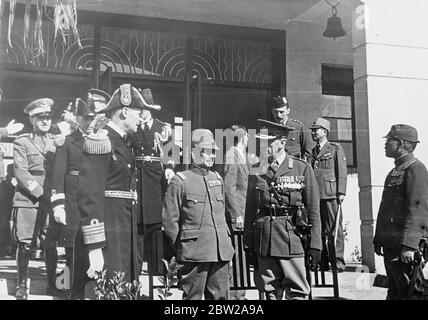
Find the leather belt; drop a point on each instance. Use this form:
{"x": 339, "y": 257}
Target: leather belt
{"x": 37, "y": 172}
{"x": 120, "y": 194}
{"x": 73, "y": 173}
{"x": 147, "y": 158}
{"x": 278, "y": 211}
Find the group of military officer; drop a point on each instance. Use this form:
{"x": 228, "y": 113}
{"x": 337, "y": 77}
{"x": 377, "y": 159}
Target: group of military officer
{"x": 102, "y": 187}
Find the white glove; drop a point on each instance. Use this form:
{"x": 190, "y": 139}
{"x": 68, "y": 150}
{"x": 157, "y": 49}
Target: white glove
{"x": 96, "y": 262}
{"x": 169, "y": 173}
{"x": 13, "y": 127}
{"x": 59, "y": 215}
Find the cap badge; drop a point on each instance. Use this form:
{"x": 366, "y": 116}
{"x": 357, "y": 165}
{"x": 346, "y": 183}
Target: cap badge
{"x": 125, "y": 94}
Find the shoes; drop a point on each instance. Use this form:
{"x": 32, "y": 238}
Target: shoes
{"x": 340, "y": 266}
{"x": 22, "y": 292}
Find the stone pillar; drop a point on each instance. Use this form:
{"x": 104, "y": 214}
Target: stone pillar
{"x": 390, "y": 50}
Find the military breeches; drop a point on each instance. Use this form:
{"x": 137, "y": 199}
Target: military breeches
{"x": 205, "y": 279}
{"x": 274, "y": 276}
{"x": 328, "y": 209}
{"x": 29, "y": 226}
{"x": 398, "y": 273}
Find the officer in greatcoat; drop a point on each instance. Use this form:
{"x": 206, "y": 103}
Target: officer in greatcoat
{"x": 194, "y": 221}
{"x": 107, "y": 188}
{"x": 402, "y": 221}
{"x": 329, "y": 164}
{"x": 282, "y": 210}
{"x": 147, "y": 144}
{"x": 65, "y": 202}
{"x": 32, "y": 155}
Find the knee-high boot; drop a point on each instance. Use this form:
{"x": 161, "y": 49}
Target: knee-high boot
{"x": 22, "y": 259}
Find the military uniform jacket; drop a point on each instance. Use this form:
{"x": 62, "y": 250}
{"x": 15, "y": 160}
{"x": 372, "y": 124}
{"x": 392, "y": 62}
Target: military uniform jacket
{"x": 330, "y": 170}
{"x": 193, "y": 217}
{"x": 236, "y": 171}
{"x": 403, "y": 214}
{"x": 32, "y": 157}
{"x": 275, "y": 237}
{"x": 298, "y": 144}
{"x": 151, "y": 180}
{"x": 65, "y": 181}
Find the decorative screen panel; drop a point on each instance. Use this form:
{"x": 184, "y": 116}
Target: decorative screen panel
{"x": 143, "y": 52}
{"x": 60, "y": 55}
{"x": 232, "y": 60}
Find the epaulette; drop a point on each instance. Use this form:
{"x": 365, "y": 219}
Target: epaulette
{"x": 299, "y": 122}
{"x": 161, "y": 122}
{"x": 181, "y": 175}
{"x": 97, "y": 143}
{"x": 298, "y": 159}
{"x": 58, "y": 140}
{"x": 218, "y": 175}
{"x": 334, "y": 144}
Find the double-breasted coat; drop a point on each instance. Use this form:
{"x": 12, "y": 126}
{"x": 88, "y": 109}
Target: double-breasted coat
{"x": 110, "y": 223}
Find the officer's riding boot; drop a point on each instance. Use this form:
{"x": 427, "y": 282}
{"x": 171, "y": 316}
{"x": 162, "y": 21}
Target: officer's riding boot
{"x": 22, "y": 259}
{"x": 51, "y": 259}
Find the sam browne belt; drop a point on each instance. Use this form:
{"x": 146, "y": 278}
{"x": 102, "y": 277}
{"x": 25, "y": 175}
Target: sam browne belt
{"x": 147, "y": 158}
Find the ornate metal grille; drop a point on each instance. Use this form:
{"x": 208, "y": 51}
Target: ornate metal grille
{"x": 232, "y": 60}
{"x": 143, "y": 52}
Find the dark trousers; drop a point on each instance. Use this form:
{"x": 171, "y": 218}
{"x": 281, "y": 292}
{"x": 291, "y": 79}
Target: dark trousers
{"x": 205, "y": 279}
{"x": 328, "y": 209}
{"x": 150, "y": 246}
{"x": 77, "y": 263}
{"x": 235, "y": 294}
{"x": 398, "y": 273}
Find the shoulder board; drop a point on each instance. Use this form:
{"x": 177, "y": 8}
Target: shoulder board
{"x": 298, "y": 159}
{"x": 24, "y": 135}
{"x": 334, "y": 144}
{"x": 162, "y": 123}
{"x": 294, "y": 120}
{"x": 218, "y": 175}
{"x": 181, "y": 175}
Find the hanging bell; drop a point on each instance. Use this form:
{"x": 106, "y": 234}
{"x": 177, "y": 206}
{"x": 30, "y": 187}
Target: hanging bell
{"x": 334, "y": 26}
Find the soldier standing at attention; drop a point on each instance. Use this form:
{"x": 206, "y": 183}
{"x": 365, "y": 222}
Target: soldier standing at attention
{"x": 329, "y": 164}
{"x": 65, "y": 203}
{"x": 194, "y": 221}
{"x": 31, "y": 155}
{"x": 402, "y": 220}
{"x": 298, "y": 145}
{"x": 282, "y": 206}
{"x": 106, "y": 189}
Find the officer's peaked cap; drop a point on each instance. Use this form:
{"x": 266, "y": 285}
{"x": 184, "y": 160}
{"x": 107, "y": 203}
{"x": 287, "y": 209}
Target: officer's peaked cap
{"x": 274, "y": 130}
{"x": 38, "y": 106}
{"x": 279, "y": 102}
{"x": 98, "y": 95}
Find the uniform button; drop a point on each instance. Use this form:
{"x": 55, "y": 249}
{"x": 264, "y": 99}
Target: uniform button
{"x": 129, "y": 166}
{"x": 212, "y": 201}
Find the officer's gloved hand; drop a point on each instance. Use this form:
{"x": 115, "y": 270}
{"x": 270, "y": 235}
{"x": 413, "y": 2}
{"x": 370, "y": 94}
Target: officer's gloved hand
{"x": 96, "y": 262}
{"x": 169, "y": 173}
{"x": 378, "y": 249}
{"x": 314, "y": 258}
{"x": 407, "y": 254}
{"x": 59, "y": 215}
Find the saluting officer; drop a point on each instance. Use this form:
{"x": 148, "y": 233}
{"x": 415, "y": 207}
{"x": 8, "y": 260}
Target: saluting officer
{"x": 282, "y": 207}
{"x": 298, "y": 144}
{"x": 402, "y": 220}
{"x": 329, "y": 164}
{"x": 194, "y": 221}
{"x": 106, "y": 188}
{"x": 99, "y": 99}
{"x": 32, "y": 156}
{"x": 147, "y": 144}
{"x": 66, "y": 203}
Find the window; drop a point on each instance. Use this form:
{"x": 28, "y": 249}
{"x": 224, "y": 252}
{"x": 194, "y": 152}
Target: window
{"x": 338, "y": 107}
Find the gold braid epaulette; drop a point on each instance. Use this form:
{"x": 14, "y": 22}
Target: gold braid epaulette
{"x": 97, "y": 143}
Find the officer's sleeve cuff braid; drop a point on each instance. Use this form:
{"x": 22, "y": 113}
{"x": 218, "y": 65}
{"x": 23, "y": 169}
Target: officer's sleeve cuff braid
{"x": 94, "y": 233}
{"x": 57, "y": 200}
